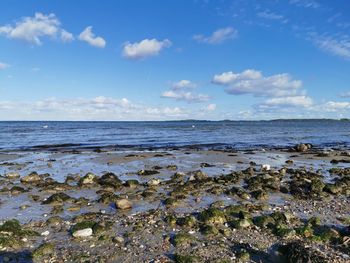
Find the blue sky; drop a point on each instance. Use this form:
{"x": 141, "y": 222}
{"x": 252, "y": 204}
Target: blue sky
{"x": 163, "y": 60}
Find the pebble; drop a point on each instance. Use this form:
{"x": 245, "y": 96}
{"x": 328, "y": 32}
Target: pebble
{"x": 83, "y": 233}
{"x": 45, "y": 233}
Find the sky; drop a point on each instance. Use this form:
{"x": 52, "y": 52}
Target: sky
{"x": 174, "y": 60}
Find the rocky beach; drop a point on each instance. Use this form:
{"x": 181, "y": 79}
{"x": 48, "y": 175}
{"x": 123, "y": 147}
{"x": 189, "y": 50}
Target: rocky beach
{"x": 175, "y": 205}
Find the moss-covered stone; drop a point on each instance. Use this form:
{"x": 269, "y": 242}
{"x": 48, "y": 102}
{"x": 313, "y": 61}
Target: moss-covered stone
{"x": 209, "y": 230}
{"x": 264, "y": 221}
{"x": 182, "y": 239}
{"x": 83, "y": 225}
{"x": 186, "y": 258}
{"x": 58, "y": 198}
{"x": 43, "y": 250}
{"x": 213, "y": 216}
{"x": 187, "y": 221}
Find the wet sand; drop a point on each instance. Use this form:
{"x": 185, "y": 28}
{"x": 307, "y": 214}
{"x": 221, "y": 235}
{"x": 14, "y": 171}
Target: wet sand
{"x": 175, "y": 206}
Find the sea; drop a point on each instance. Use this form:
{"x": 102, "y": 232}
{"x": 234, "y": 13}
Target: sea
{"x": 239, "y": 135}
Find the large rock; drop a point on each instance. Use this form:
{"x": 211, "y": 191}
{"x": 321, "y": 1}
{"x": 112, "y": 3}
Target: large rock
{"x": 89, "y": 178}
{"x": 303, "y": 147}
{"x": 31, "y": 178}
{"x": 123, "y": 204}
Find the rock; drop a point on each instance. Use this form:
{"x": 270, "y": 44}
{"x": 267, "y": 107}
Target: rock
{"x": 118, "y": 239}
{"x": 213, "y": 216}
{"x": 43, "y": 250}
{"x": 58, "y": 198}
{"x": 31, "y": 178}
{"x": 89, "y": 178}
{"x": 12, "y": 175}
{"x": 153, "y": 182}
{"x": 86, "y": 232}
{"x": 182, "y": 239}
{"x": 45, "y": 233}
{"x": 110, "y": 179}
{"x": 303, "y": 147}
{"x": 132, "y": 183}
{"x": 266, "y": 167}
{"x": 147, "y": 172}
{"x": 123, "y": 204}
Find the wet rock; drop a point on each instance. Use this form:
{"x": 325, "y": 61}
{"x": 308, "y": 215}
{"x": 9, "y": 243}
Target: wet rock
{"x": 132, "y": 183}
{"x": 12, "y": 175}
{"x": 15, "y": 190}
{"x": 31, "y": 178}
{"x": 123, "y": 204}
{"x": 296, "y": 252}
{"x": 12, "y": 234}
{"x": 182, "y": 239}
{"x": 88, "y": 179}
{"x": 147, "y": 172}
{"x": 204, "y": 165}
{"x": 213, "y": 216}
{"x": 187, "y": 221}
{"x": 302, "y": 147}
{"x": 110, "y": 179}
{"x": 241, "y": 223}
{"x": 43, "y": 250}
{"x": 209, "y": 230}
{"x": 58, "y": 198}
{"x": 186, "y": 259}
{"x": 172, "y": 167}
{"x": 153, "y": 182}
{"x": 107, "y": 198}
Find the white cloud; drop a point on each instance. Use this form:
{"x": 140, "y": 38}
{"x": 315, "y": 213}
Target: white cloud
{"x": 183, "y": 84}
{"x": 345, "y": 94}
{"x": 218, "y": 36}
{"x": 272, "y": 16}
{"x": 253, "y": 82}
{"x": 145, "y": 48}
{"x": 33, "y": 29}
{"x": 185, "y": 96}
{"x": 98, "y": 108}
{"x": 211, "y": 107}
{"x": 305, "y": 3}
{"x": 334, "y": 106}
{"x": 88, "y": 36}
{"x": 293, "y": 101}
{"x": 66, "y": 36}
{"x": 3, "y": 65}
{"x": 338, "y": 46}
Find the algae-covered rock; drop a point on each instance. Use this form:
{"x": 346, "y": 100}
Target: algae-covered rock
{"x": 88, "y": 179}
{"x": 187, "y": 221}
{"x": 297, "y": 252}
{"x": 264, "y": 221}
{"x": 132, "y": 183}
{"x": 12, "y": 175}
{"x": 44, "y": 250}
{"x": 213, "y": 216}
{"x": 186, "y": 259}
{"x": 182, "y": 239}
{"x": 147, "y": 172}
{"x": 209, "y": 230}
{"x": 12, "y": 233}
{"x": 58, "y": 198}
{"x": 110, "y": 180}
{"x": 33, "y": 177}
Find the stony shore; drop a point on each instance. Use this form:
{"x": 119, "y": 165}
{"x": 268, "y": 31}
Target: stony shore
{"x": 287, "y": 205}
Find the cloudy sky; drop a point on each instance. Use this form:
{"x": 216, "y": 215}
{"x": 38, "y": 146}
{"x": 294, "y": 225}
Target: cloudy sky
{"x": 164, "y": 60}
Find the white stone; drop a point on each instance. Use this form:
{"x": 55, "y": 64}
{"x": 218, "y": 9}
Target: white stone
{"x": 86, "y": 232}
{"x": 45, "y": 233}
{"x": 266, "y": 167}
